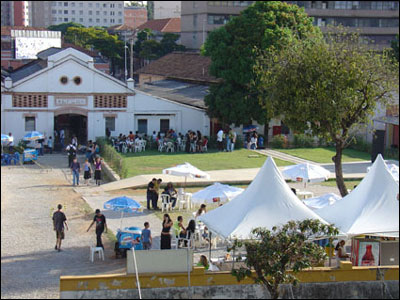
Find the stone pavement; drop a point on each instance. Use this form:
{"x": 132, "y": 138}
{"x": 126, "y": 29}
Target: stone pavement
{"x": 30, "y": 267}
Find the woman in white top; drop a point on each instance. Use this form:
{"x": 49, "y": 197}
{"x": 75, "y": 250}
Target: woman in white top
{"x": 341, "y": 254}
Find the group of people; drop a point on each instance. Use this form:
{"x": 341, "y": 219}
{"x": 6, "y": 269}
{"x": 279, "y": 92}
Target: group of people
{"x": 92, "y": 157}
{"x": 60, "y": 222}
{"x": 226, "y": 140}
{"x": 195, "y": 142}
{"x": 252, "y": 140}
{"x": 128, "y": 141}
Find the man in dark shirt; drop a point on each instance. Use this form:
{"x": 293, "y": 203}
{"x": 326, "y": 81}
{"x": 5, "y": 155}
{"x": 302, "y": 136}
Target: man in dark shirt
{"x": 76, "y": 169}
{"x": 151, "y": 193}
{"x": 58, "y": 224}
{"x": 100, "y": 221}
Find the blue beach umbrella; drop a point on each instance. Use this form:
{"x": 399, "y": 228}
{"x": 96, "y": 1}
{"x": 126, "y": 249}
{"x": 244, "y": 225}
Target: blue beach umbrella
{"x": 5, "y": 138}
{"x": 33, "y": 136}
{"x": 122, "y": 204}
{"x": 250, "y": 128}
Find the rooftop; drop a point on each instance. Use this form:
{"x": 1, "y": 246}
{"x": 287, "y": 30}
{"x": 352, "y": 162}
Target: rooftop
{"x": 6, "y": 30}
{"x": 182, "y": 66}
{"x": 182, "y": 92}
{"x": 163, "y": 25}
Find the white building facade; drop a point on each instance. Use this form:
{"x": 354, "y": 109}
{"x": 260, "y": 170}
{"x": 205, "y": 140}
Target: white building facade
{"x": 70, "y": 94}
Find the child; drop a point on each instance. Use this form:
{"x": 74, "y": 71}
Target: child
{"x": 87, "y": 175}
{"x": 147, "y": 240}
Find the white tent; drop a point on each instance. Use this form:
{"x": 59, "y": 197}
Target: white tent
{"x": 394, "y": 170}
{"x": 267, "y": 202}
{"x": 216, "y": 193}
{"x": 321, "y": 201}
{"x": 371, "y": 208}
{"x": 306, "y": 173}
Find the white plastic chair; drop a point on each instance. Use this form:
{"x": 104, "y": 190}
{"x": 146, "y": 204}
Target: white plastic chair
{"x": 99, "y": 250}
{"x": 124, "y": 147}
{"x": 165, "y": 202}
{"x": 190, "y": 241}
{"x": 161, "y": 147}
{"x": 143, "y": 145}
{"x": 138, "y": 147}
{"x": 170, "y": 147}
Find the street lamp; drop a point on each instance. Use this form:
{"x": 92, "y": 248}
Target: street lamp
{"x": 133, "y": 36}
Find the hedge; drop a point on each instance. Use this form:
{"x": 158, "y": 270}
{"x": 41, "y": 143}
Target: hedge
{"x": 113, "y": 158}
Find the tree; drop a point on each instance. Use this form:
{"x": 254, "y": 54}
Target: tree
{"x": 274, "y": 253}
{"x": 63, "y": 27}
{"x": 168, "y": 43}
{"x": 136, "y": 3}
{"x": 151, "y": 50}
{"x": 232, "y": 51}
{"x": 99, "y": 39}
{"x": 327, "y": 86}
{"x": 395, "y": 47}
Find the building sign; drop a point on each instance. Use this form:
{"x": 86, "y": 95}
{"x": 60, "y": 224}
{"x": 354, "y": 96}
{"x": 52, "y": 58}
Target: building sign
{"x": 71, "y": 102}
{"x": 28, "y": 47}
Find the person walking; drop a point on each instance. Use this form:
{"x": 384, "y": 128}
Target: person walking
{"x": 146, "y": 238}
{"x": 101, "y": 224}
{"x": 150, "y": 193}
{"x": 71, "y": 154}
{"x": 59, "y": 219}
{"x": 87, "y": 171}
{"x": 62, "y": 138}
{"x": 76, "y": 169}
{"x": 97, "y": 170}
{"x": 165, "y": 235}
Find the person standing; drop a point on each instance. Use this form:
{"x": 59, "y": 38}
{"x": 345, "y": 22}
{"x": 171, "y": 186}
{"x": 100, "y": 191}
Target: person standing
{"x": 233, "y": 137}
{"x": 108, "y": 133}
{"x": 62, "y": 138}
{"x": 50, "y": 145}
{"x": 220, "y": 136}
{"x": 76, "y": 169}
{"x": 165, "y": 235}
{"x": 71, "y": 154}
{"x": 10, "y": 142}
{"x": 157, "y": 192}
{"x": 150, "y": 193}
{"x": 100, "y": 221}
{"x": 97, "y": 170}
{"x": 74, "y": 141}
{"x": 59, "y": 219}
{"x": 87, "y": 171}
{"x": 228, "y": 140}
{"x": 146, "y": 238}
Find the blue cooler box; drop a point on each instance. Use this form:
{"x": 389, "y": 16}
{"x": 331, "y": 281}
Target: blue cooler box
{"x": 127, "y": 236}
{"x": 29, "y": 155}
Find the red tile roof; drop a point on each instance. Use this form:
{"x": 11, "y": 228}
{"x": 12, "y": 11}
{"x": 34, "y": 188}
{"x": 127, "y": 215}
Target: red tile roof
{"x": 6, "y": 30}
{"x": 181, "y": 65}
{"x": 163, "y": 25}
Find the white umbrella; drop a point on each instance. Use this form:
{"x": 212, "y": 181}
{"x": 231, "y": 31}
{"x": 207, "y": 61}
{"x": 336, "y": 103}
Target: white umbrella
{"x": 306, "y": 173}
{"x": 216, "y": 193}
{"x": 186, "y": 170}
{"x": 321, "y": 201}
{"x": 394, "y": 170}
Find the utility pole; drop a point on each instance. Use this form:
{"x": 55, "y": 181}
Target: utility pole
{"x": 131, "y": 69}
{"x": 126, "y": 70}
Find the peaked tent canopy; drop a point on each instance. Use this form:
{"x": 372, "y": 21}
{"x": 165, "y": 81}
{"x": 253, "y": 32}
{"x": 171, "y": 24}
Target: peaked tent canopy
{"x": 371, "y": 208}
{"x": 267, "y": 202}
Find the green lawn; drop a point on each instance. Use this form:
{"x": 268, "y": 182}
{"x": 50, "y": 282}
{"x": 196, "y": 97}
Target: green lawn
{"x": 350, "y": 183}
{"x": 324, "y": 155}
{"x": 153, "y": 162}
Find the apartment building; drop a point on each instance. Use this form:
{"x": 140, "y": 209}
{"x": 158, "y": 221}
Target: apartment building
{"x": 135, "y": 16}
{"x": 164, "y": 9}
{"x": 198, "y": 18}
{"x": 376, "y": 20}
{"x": 15, "y": 13}
{"x": 87, "y": 13}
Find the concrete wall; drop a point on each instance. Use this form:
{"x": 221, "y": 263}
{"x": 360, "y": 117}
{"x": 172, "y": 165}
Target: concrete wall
{"x": 338, "y": 290}
{"x": 160, "y": 261}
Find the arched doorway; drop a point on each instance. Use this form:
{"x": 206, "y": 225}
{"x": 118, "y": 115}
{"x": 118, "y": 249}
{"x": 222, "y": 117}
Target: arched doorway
{"x": 74, "y": 123}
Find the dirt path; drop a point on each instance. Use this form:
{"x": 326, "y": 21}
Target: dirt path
{"x": 30, "y": 267}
